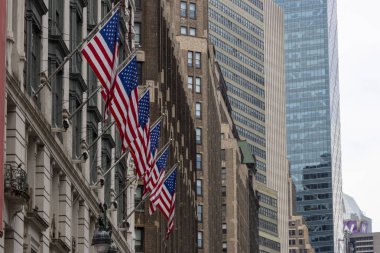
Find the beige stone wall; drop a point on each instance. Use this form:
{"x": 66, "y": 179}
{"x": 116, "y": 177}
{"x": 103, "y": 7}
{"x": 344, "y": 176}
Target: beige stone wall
{"x": 299, "y": 235}
{"x": 277, "y": 164}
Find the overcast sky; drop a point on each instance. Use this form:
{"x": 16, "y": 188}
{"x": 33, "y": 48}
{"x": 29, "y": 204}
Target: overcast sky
{"x": 359, "y": 65}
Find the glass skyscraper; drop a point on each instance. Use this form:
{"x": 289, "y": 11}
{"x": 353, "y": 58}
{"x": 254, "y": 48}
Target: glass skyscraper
{"x": 313, "y": 120}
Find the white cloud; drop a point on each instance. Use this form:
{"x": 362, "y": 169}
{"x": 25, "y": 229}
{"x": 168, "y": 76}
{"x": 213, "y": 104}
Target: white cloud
{"x": 359, "y": 60}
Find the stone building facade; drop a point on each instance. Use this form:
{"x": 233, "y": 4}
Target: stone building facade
{"x": 299, "y": 236}
{"x": 53, "y": 178}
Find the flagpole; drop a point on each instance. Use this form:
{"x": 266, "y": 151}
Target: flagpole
{"x": 116, "y": 163}
{"x": 100, "y": 136}
{"x": 85, "y": 102}
{"x": 126, "y": 187}
{"x": 164, "y": 147}
{"x": 127, "y": 60}
{"x": 148, "y": 193}
{"x": 68, "y": 57}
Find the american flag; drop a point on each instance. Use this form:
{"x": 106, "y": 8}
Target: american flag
{"x": 154, "y": 137}
{"x": 163, "y": 197}
{"x": 139, "y": 145}
{"x": 124, "y": 105}
{"x": 159, "y": 167}
{"x": 102, "y": 52}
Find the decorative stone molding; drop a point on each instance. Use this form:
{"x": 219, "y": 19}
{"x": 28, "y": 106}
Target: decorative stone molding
{"x": 40, "y": 125}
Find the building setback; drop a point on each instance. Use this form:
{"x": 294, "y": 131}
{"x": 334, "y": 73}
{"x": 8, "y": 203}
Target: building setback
{"x": 313, "y": 117}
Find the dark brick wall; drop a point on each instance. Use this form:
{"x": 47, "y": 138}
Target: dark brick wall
{"x": 170, "y": 97}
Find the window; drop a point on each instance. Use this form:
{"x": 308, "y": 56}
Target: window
{"x": 223, "y": 173}
{"x": 300, "y": 232}
{"x": 291, "y": 232}
{"x": 224, "y": 246}
{"x": 292, "y": 242}
{"x": 223, "y": 189}
{"x": 198, "y": 161}
{"x": 268, "y": 226}
{"x": 198, "y": 136}
{"x": 199, "y": 187}
{"x": 198, "y": 110}
{"x": 183, "y": 30}
{"x": 197, "y": 60}
{"x": 137, "y": 28}
{"x": 224, "y": 211}
{"x": 192, "y": 10}
{"x": 139, "y": 239}
{"x": 300, "y": 241}
{"x": 271, "y": 214}
{"x": 75, "y": 38}
{"x": 200, "y": 213}
{"x": 137, "y": 4}
{"x": 190, "y": 82}
{"x": 190, "y": 58}
{"x": 200, "y": 240}
{"x": 224, "y": 228}
{"x": 33, "y": 57}
{"x": 183, "y": 9}
{"x": 223, "y": 154}
{"x": 198, "y": 85}
{"x": 74, "y": 102}
{"x": 192, "y": 31}
{"x": 56, "y": 17}
{"x": 138, "y": 197}
{"x": 57, "y": 93}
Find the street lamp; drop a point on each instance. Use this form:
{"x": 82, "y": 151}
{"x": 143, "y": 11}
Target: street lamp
{"x": 113, "y": 248}
{"x": 101, "y": 239}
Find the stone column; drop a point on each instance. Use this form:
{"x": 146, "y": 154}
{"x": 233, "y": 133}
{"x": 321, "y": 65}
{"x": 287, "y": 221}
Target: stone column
{"x": 99, "y": 161}
{"x": 85, "y": 166}
{"x": 131, "y": 190}
{"x": 65, "y": 209}
{"x": 15, "y": 154}
{"x": 18, "y": 53}
{"x": 83, "y": 228}
{"x": 112, "y": 187}
{"x": 45, "y": 94}
{"x": 10, "y": 37}
{"x": 30, "y": 167}
{"x": 66, "y": 72}
{"x": 42, "y": 192}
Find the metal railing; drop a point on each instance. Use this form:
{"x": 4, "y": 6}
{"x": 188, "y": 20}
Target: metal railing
{"x": 15, "y": 181}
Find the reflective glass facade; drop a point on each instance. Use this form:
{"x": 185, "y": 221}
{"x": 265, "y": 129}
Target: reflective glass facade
{"x": 313, "y": 121}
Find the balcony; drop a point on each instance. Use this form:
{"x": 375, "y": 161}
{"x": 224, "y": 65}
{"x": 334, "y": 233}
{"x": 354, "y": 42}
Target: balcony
{"x": 15, "y": 184}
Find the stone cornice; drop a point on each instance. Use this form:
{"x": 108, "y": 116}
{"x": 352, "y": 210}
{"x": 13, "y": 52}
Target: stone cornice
{"x": 42, "y": 128}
